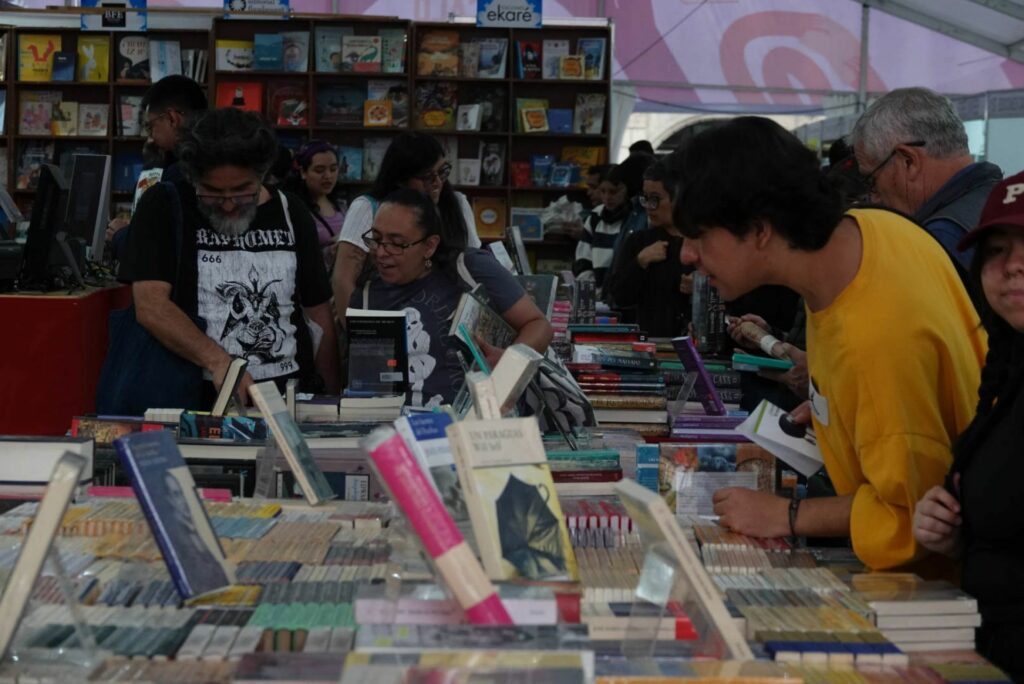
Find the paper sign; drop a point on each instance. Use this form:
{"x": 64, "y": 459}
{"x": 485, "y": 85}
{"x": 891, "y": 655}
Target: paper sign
{"x": 118, "y": 15}
{"x": 509, "y": 13}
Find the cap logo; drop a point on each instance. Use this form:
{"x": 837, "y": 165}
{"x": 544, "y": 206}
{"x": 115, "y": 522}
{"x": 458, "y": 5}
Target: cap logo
{"x": 1012, "y": 192}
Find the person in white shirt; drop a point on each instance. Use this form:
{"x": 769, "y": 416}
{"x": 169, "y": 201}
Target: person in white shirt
{"x": 413, "y": 160}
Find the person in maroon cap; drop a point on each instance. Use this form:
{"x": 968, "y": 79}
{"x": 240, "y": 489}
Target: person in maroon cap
{"x": 977, "y": 516}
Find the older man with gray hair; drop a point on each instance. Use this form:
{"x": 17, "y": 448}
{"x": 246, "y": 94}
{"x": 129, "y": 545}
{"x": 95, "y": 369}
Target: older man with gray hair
{"x": 911, "y": 148}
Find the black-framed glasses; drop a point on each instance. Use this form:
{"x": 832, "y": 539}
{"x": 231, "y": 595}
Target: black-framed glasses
{"x": 431, "y": 177}
{"x": 147, "y": 126}
{"x": 243, "y": 200}
{"x": 372, "y": 242}
{"x": 870, "y": 178}
{"x": 650, "y": 201}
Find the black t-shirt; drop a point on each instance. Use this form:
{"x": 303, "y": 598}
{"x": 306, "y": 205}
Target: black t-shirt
{"x": 661, "y": 309}
{"x": 248, "y": 290}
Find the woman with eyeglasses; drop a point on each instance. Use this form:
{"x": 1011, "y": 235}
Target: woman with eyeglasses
{"x": 314, "y": 178}
{"x": 651, "y": 277}
{"x": 413, "y": 160}
{"x": 418, "y": 272}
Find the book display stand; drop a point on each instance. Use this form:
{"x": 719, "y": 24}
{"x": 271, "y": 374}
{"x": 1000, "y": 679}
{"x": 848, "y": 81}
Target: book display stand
{"x": 676, "y": 406}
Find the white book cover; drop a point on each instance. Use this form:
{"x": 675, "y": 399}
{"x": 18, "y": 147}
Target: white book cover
{"x": 763, "y": 428}
{"x": 164, "y": 59}
{"x": 468, "y": 172}
{"x": 551, "y": 51}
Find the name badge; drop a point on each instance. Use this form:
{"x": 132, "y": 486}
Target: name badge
{"x": 819, "y": 403}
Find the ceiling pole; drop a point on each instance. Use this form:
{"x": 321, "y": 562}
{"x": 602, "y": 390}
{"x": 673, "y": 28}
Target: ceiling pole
{"x": 862, "y": 83}
{"x": 600, "y": 8}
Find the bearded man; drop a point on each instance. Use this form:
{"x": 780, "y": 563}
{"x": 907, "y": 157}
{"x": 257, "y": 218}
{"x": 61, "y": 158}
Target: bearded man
{"x": 247, "y": 279}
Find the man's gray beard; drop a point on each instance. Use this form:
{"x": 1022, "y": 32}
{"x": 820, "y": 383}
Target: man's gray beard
{"x": 231, "y": 227}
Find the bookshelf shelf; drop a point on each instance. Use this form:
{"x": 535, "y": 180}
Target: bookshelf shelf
{"x": 230, "y": 73}
{"x": 361, "y": 129}
{"x": 58, "y": 138}
{"x": 558, "y": 81}
{"x": 552, "y": 136}
{"x": 335, "y": 75}
{"x": 463, "y": 79}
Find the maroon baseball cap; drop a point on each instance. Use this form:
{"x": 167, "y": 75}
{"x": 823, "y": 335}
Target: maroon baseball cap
{"x": 1003, "y": 208}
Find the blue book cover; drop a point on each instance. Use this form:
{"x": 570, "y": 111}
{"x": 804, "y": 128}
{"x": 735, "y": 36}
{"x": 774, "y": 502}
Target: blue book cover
{"x": 350, "y": 163}
{"x": 268, "y": 52}
{"x": 63, "y": 66}
{"x": 560, "y": 120}
{"x": 127, "y": 167}
{"x": 166, "y": 492}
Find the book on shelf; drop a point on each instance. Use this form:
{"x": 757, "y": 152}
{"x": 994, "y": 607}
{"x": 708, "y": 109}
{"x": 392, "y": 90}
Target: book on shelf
{"x": 436, "y": 102}
{"x": 361, "y": 54}
{"x": 244, "y": 95}
{"x": 560, "y": 120}
{"x": 93, "y": 59}
{"x": 234, "y": 55}
{"x": 424, "y": 434}
{"x": 127, "y": 168}
{"x": 493, "y": 102}
{"x": 340, "y": 105}
{"x": 328, "y": 47}
{"x": 295, "y": 51}
{"x": 571, "y": 67}
{"x": 392, "y": 48}
{"x": 588, "y": 115}
{"x": 593, "y": 50}
{"x": 62, "y": 482}
{"x": 528, "y": 220}
{"x": 414, "y": 493}
{"x": 164, "y": 59}
{"x": 193, "y": 64}
{"x": 290, "y": 441}
{"x": 35, "y": 56}
{"x": 492, "y": 163}
{"x": 468, "y": 172}
{"x": 468, "y": 117}
{"x": 378, "y": 340}
{"x": 105, "y": 429}
{"x": 450, "y": 145}
{"x": 65, "y": 119}
{"x": 377, "y": 113}
{"x": 32, "y": 156}
{"x": 374, "y": 150}
{"x": 583, "y": 156}
{"x": 396, "y": 93}
{"x": 288, "y": 104}
{"x": 553, "y": 51}
{"x": 481, "y": 321}
{"x": 528, "y": 59}
{"x": 35, "y": 117}
{"x": 562, "y": 174}
{"x": 469, "y": 59}
{"x": 350, "y": 163}
{"x": 129, "y": 110}
{"x": 490, "y": 214}
{"x": 131, "y": 59}
{"x": 534, "y": 120}
{"x": 523, "y": 103}
{"x": 3, "y": 58}
{"x": 438, "y": 53}
{"x": 493, "y": 57}
{"x": 268, "y": 52}
{"x": 63, "y": 66}
{"x": 167, "y": 495}
{"x": 516, "y": 516}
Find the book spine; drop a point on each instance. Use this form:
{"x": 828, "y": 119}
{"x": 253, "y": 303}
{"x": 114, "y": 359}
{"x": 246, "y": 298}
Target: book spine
{"x": 616, "y": 361}
{"x": 423, "y": 508}
{"x": 612, "y": 401}
{"x": 587, "y": 475}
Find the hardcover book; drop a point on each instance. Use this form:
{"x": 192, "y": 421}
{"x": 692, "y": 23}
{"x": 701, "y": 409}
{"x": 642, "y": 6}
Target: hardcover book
{"x": 528, "y": 62}
{"x": 493, "y": 55}
{"x": 553, "y": 51}
{"x": 93, "y": 59}
{"x": 438, "y": 54}
{"x": 164, "y": 59}
{"x": 490, "y": 213}
{"x": 424, "y": 434}
{"x": 289, "y": 439}
{"x": 63, "y": 66}
{"x": 295, "y": 50}
{"x": 234, "y": 55}
{"x": 492, "y": 163}
{"x": 35, "y": 118}
{"x": 588, "y": 116}
{"x": 560, "y": 120}
{"x": 328, "y": 47}
{"x": 350, "y": 163}
{"x": 468, "y": 172}
{"x": 268, "y": 52}
{"x": 435, "y": 105}
{"x": 517, "y": 519}
{"x": 244, "y": 95}
{"x": 288, "y": 104}
{"x": 378, "y": 340}
{"x": 377, "y": 113}
{"x": 493, "y": 103}
{"x": 65, "y": 119}
{"x": 592, "y": 50}
{"x": 361, "y": 53}
{"x": 131, "y": 61}
{"x": 469, "y": 117}
{"x": 35, "y": 56}
{"x": 528, "y": 219}
{"x": 392, "y": 45}
{"x": 534, "y": 120}
{"x": 570, "y": 67}
{"x": 129, "y": 114}
{"x": 167, "y": 495}
{"x": 374, "y": 150}
{"x": 340, "y": 105}
{"x": 469, "y": 59}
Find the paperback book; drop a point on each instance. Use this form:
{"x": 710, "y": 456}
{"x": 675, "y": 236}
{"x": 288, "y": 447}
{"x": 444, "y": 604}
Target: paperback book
{"x": 553, "y": 51}
{"x": 435, "y": 105}
{"x": 588, "y": 116}
{"x": 493, "y": 55}
{"x": 328, "y": 47}
{"x": 295, "y": 50}
{"x": 378, "y": 340}
{"x": 93, "y": 59}
{"x": 131, "y": 60}
{"x": 438, "y": 54}
{"x": 63, "y": 66}
{"x": 164, "y": 59}
{"x": 35, "y": 56}
{"x": 340, "y": 105}
{"x": 361, "y": 53}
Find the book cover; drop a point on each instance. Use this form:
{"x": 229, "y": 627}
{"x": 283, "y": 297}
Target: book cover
{"x": 490, "y": 214}
{"x": 63, "y": 66}
{"x": 374, "y": 150}
{"x": 438, "y": 54}
{"x": 553, "y": 51}
{"x": 164, "y": 59}
{"x": 93, "y": 59}
{"x": 492, "y": 163}
{"x": 234, "y": 55}
{"x": 584, "y": 157}
{"x": 468, "y": 172}
{"x": 529, "y": 222}
{"x": 33, "y": 155}
{"x": 65, "y": 119}
{"x": 690, "y": 474}
{"x": 129, "y": 112}
{"x": 295, "y": 50}
{"x": 328, "y": 47}
{"x": 340, "y": 105}
{"x": 570, "y": 67}
{"x": 244, "y": 95}
{"x": 588, "y": 115}
{"x": 493, "y": 102}
{"x": 481, "y": 321}
{"x": 288, "y": 104}
{"x": 361, "y": 53}
{"x": 468, "y": 118}
{"x": 35, "y": 56}
{"x": 268, "y": 52}
{"x": 290, "y": 441}
{"x": 398, "y": 95}
{"x": 528, "y": 63}
{"x": 167, "y": 495}
{"x": 424, "y": 434}
{"x": 377, "y": 113}
{"x": 493, "y": 55}
{"x": 541, "y": 288}
{"x": 469, "y": 59}
{"x": 35, "y": 118}
{"x": 131, "y": 60}
{"x": 560, "y": 120}
{"x": 527, "y": 103}
{"x": 516, "y": 516}
{"x": 350, "y": 163}
{"x": 105, "y": 430}
{"x": 3, "y": 58}
{"x": 378, "y": 340}
{"x": 392, "y": 46}
{"x": 127, "y": 167}
{"x": 534, "y": 120}
{"x": 435, "y": 105}
{"x": 592, "y": 50}
{"x": 411, "y": 489}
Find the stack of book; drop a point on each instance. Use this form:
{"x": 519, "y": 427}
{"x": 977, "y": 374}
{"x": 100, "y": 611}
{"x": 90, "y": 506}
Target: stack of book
{"x": 594, "y": 465}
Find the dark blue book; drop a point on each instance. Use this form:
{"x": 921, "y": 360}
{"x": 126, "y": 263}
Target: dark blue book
{"x": 560, "y": 120}
{"x": 268, "y": 52}
{"x": 127, "y": 167}
{"x": 63, "y": 66}
{"x": 166, "y": 492}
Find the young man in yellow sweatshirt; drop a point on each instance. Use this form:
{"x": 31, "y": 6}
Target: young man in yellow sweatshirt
{"x": 894, "y": 344}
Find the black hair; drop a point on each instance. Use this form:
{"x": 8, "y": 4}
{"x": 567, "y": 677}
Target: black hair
{"x": 282, "y": 164}
{"x": 174, "y": 92}
{"x": 631, "y": 172}
{"x": 665, "y": 173}
{"x": 644, "y": 146}
{"x": 302, "y": 160}
{"x": 600, "y": 170}
{"x": 411, "y": 154}
{"x": 750, "y": 169}
{"x": 430, "y": 222}
{"x": 226, "y": 137}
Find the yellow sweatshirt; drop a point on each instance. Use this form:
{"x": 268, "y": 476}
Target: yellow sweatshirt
{"x": 895, "y": 364}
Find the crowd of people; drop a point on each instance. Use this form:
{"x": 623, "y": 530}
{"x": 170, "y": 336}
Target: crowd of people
{"x": 895, "y": 277}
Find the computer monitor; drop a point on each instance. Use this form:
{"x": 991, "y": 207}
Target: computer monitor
{"x": 89, "y": 202}
{"x": 47, "y": 220}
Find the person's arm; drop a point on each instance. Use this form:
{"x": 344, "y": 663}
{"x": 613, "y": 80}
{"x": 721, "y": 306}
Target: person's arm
{"x": 348, "y": 264}
{"x": 532, "y": 329}
{"x": 627, "y": 278}
{"x": 326, "y": 361}
{"x": 938, "y": 526}
{"x": 760, "y": 514}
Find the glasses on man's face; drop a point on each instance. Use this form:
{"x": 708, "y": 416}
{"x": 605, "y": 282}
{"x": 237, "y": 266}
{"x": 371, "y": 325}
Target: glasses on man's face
{"x": 243, "y": 200}
{"x": 650, "y": 201}
{"x": 373, "y": 239}
{"x": 147, "y": 126}
{"x": 871, "y": 178}
{"x": 439, "y": 176}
